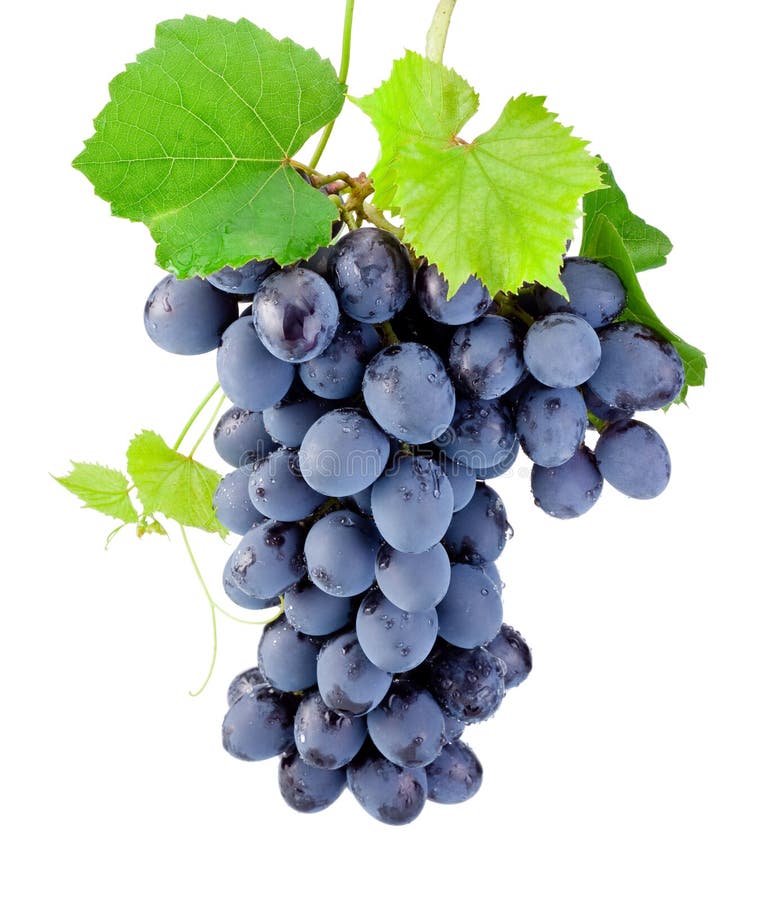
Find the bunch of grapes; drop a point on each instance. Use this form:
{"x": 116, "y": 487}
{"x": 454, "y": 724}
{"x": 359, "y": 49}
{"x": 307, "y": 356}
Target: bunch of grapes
{"x": 371, "y": 406}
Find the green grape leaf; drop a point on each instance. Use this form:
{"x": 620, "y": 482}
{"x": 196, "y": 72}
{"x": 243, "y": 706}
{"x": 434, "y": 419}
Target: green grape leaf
{"x": 606, "y": 244}
{"x": 170, "y": 483}
{"x": 501, "y": 206}
{"x": 421, "y": 101}
{"x": 100, "y": 488}
{"x": 646, "y": 245}
{"x": 197, "y": 141}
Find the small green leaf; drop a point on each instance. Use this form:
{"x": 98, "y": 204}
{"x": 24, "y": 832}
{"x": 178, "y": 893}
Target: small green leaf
{"x": 100, "y": 488}
{"x": 646, "y": 245}
{"x": 421, "y": 101}
{"x": 605, "y": 244}
{"x": 197, "y": 140}
{"x": 500, "y": 207}
{"x": 170, "y": 483}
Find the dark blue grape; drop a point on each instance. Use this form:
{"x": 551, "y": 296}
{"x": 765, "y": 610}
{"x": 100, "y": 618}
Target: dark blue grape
{"x": 453, "y": 728}
{"x": 287, "y": 658}
{"x": 295, "y": 314}
{"x": 371, "y": 274}
{"x": 278, "y": 491}
{"x": 510, "y": 647}
{"x": 408, "y": 727}
{"x": 187, "y": 316}
{"x": 414, "y": 582}
{"x": 232, "y": 504}
{"x": 467, "y": 684}
{"x": 260, "y": 724}
{"x": 343, "y": 453}
{"x": 551, "y": 424}
{"x": 471, "y": 611}
{"x": 250, "y": 376}
{"x": 478, "y": 533}
{"x": 340, "y": 553}
{"x": 313, "y": 611}
{"x": 243, "y": 279}
{"x": 318, "y": 261}
{"x": 306, "y": 789}
{"x": 388, "y": 792}
{"x": 289, "y": 420}
{"x": 568, "y": 490}
{"x": 634, "y": 459}
{"x": 468, "y": 303}
{"x": 413, "y": 325}
{"x": 337, "y": 373}
{"x": 602, "y": 410}
{"x": 481, "y": 434}
{"x": 408, "y": 392}
{"x": 244, "y": 683}
{"x": 562, "y": 350}
{"x": 392, "y": 639}
{"x": 240, "y": 437}
{"x": 486, "y": 358}
{"x": 639, "y": 368}
{"x": 240, "y": 597}
{"x": 348, "y": 682}
{"x": 596, "y": 293}
{"x": 412, "y": 504}
{"x": 268, "y": 559}
{"x": 501, "y": 467}
{"x": 462, "y": 480}
{"x": 455, "y": 775}
{"x": 324, "y": 738}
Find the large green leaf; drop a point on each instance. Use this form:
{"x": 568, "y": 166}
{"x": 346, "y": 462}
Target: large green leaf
{"x": 197, "y": 139}
{"x": 100, "y": 488}
{"x": 500, "y": 207}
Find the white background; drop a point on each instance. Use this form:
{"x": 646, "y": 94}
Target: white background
{"x": 631, "y": 764}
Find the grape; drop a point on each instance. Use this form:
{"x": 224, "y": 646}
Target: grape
{"x": 340, "y": 553}
{"x": 639, "y": 368}
{"x": 551, "y": 424}
{"x": 568, "y": 490}
{"x": 467, "y": 684}
{"x": 471, "y": 612}
{"x": 244, "y": 279}
{"x": 371, "y": 274}
{"x": 268, "y": 559}
{"x": 187, "y": 316}
{"x": 634, "y": 459}
{"x": 501, "y": 467}
{"x": 240, "y": 597}
{"x": 453, "y": 728}
{"x": 408, "y": 392}
{"x": 408, "y": 727}
{"x": 287, "y": 658}
{"x": 289, "y": 419}
{"x": 392, "y": 639}
{"x": 312, "y": 611}
{"x": 295, "y": 314}
{"x": 562, "y": 350}
{"x": 412, "y": 504}
{"x": 388, "y": 792}
{"x": 478, "y": 533}
{"x": 250, "y": 376}
{"x": 602, "y": 410}
{"x": 232, "y": 504}
{"x": 596, "y": 293}
{"x": 244, "y": 683}
{"x": 337, "y": 373}
{"x": 240, "y": 437}
{"x": 324, "y": 738}
{"x": 413, "y": 325}
{"x": 481, "y": 433}
{"x": 414, "y": 582}
{"x": 343, "y": 453}
{"x": 348, "y": 682}
{"x": 468, "y": 303}
{"x": 277, "y": 488}
{"x": 510, "y": 647}
{"x": 486, "y": 358}
{"x": 362, "y": 501}
{"x": 260, "y": 724}
{"x": 318, "y": 261}
{"x": 306, "y": 789}
{"x": 455, "y": 775}
{"x": 462, "y": 480}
